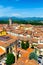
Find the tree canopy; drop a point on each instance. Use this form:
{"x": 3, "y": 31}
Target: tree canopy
{"x": 32, "y": 22}
{"x": 33, "y": 55}
{"x": 25, "y": 45}
{"x": 10, "y": 59}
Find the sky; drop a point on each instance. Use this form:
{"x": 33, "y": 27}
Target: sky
{"x": 21, "y": 8}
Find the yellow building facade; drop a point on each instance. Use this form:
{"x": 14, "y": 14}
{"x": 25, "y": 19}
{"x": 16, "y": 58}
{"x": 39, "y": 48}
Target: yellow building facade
{"x": 2, "y": 33}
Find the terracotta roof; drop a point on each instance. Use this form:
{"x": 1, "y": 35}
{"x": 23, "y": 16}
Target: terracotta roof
{"x": 2, "y": 51}
{"x": 23, "y": 38}
{"x": 4, "y": 44}
{"x": 31, "y": 62}
{"x": 36, "y": 34}
{"x": 25, "y": 53}
{"x": 40, "y": 46}
{"x": 8, "y": 42}
{"x": 34, "y": 40}
{"x": 1, "y": 29}
{"x": 24, "y": 60}
{"x": 29, "y": 32}
{"x": 27, "y": 62}
{"x": 18, "y": 31}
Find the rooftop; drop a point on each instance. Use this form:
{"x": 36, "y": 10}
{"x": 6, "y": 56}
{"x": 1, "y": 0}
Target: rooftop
{"x": 2, "y": 51}
{"x": 5, "y": 41}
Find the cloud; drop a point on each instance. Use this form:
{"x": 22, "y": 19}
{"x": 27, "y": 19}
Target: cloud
{"x": 8, "y": 11}
{"x": 16, "y": 14}
{"x": 12, "y": 11}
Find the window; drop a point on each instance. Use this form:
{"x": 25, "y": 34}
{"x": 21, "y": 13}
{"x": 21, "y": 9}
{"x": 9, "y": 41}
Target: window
{"x": 19, "y": 44}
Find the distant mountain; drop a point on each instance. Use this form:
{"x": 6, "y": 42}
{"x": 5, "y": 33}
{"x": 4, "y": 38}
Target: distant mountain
{"x": 13, "y": 18}
{"x": 33, "y": 18}
{"x": 4, "y": 18}
{"x": 18, "y": 18}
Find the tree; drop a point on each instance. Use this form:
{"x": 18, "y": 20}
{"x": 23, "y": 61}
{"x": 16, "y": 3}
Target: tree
{"x": 33, "y": 55}
{"x": 25, "y": 45}
{"x": 10, "y": 59}
{"x": 22, "y": 45}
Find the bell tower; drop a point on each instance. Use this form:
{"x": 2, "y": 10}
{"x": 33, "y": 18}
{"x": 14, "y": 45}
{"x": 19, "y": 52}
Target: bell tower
{"x": 10, "y": 21}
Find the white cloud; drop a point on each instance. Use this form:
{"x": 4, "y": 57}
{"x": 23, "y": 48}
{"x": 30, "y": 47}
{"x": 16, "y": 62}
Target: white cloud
{"x": 11, "y": 11}
{"x": 8, "y": 11}
{"x": 16, "y": 14}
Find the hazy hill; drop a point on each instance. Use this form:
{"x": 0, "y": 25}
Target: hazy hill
{"x": 18, "y": 18}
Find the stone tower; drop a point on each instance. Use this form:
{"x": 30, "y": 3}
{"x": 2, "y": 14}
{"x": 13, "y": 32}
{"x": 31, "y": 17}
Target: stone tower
{"x": 10, "y": 21}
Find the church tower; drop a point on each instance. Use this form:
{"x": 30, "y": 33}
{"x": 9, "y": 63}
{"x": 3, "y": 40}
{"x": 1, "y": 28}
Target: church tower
{"x": 10, "y": 21}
